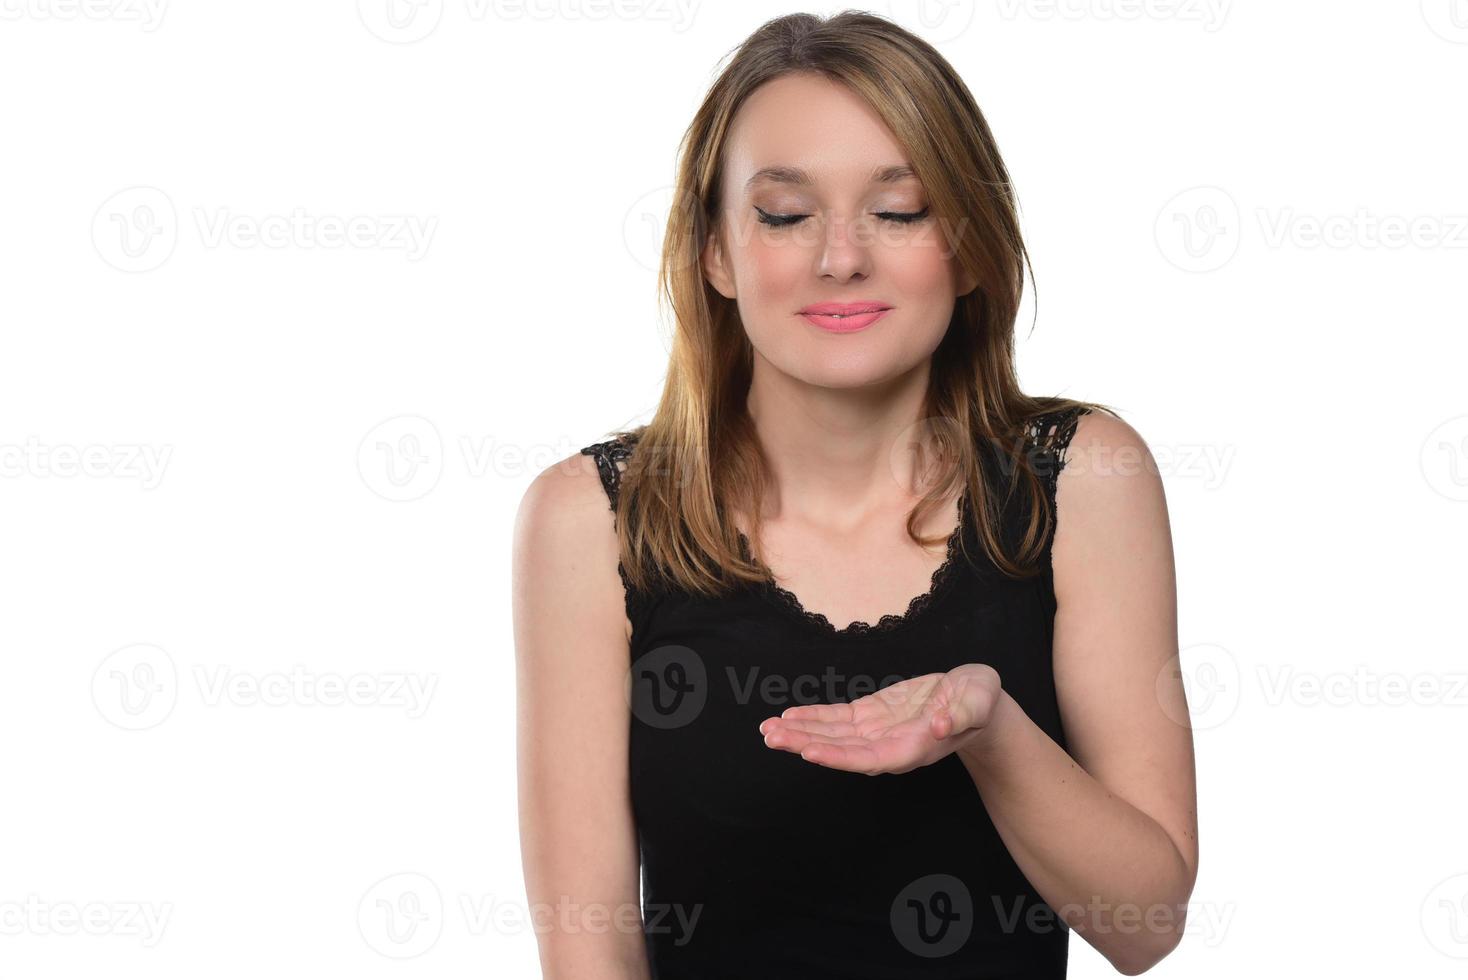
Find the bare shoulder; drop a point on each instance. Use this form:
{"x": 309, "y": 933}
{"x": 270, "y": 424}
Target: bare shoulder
{"x": 1106, "y": 444}
{"x": 565, "y": 543}
{"x": 566, "y": 496}
{"x": 1109, "y": 485}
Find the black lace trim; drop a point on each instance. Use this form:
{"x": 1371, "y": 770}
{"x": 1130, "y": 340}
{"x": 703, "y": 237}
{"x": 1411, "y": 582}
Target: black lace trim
{"x": 1049, "y": 437}
{"x": 607, "y": 455}
{"x": 942, "y": 576}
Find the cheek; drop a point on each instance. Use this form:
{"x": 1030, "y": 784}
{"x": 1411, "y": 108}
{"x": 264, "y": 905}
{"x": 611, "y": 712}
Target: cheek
{"x": 773, "y": 275}
{"x": 922, "y": 281}
{"x": 921, "y": 269}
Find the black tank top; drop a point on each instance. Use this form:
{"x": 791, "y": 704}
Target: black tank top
{"x": 759, "y": 864}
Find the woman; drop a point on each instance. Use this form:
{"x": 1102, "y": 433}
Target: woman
{"x": 871, "y": 671}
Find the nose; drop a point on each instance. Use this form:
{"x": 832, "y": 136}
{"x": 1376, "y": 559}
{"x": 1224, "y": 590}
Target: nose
{"x": 844, "y": 253}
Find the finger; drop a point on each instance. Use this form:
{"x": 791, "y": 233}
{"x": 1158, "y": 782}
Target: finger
{"x": 793, "y": 740}
{"x": 834, "y": 729}
{"x": 818, "y": 712}
{"x": 861, "y": 757}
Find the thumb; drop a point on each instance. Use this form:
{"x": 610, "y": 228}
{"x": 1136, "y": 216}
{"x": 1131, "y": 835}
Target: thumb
{"x": 952, "y": 718}
{"x": 962, "y": 706}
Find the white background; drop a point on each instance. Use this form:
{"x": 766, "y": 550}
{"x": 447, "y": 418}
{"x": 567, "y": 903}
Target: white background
{"x": 238, "y": 471}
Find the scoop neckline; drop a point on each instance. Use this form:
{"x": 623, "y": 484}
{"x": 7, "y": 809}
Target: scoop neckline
{"x": 787, "y": 601}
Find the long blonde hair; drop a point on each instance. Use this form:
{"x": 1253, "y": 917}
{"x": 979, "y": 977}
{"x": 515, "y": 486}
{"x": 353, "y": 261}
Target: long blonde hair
{"x": 698, "y": 458}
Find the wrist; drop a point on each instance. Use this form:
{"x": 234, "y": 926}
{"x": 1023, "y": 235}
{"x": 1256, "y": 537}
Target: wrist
{"x": 984, "y": 743}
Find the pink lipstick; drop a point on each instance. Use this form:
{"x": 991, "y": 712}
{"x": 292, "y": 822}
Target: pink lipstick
{"x": 845, "y": 317}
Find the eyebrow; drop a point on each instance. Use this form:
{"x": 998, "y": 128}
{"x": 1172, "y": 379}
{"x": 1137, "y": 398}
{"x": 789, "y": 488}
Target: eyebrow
{"x": 795, "y": 175}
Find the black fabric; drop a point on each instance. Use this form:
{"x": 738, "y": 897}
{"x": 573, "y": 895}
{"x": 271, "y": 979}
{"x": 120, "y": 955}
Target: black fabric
{"x": 758, "y": 864}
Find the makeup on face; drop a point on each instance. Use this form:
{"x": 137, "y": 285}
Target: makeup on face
{"x": 845, "y": 317}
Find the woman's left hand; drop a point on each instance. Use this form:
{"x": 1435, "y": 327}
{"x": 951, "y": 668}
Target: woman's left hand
{"x": 912, "y": 723}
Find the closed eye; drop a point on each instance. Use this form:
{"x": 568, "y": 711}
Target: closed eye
{"x": 896, "y": 217}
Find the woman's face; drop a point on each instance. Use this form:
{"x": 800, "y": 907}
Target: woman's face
{"x": 817, "y": 210}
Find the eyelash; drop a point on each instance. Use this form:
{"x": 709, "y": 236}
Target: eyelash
{"x": 785, "y": 220}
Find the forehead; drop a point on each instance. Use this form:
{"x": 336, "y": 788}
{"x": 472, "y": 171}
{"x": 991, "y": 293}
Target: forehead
{"x": 805, "y": 130}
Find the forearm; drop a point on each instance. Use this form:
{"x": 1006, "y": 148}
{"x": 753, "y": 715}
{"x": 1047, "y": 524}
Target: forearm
{"x": 1107, "y": 868}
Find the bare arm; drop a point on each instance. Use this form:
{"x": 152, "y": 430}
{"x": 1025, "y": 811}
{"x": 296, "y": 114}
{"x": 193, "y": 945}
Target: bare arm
{"x": 1110, "y": 830}
{"x": 577, "y": 839}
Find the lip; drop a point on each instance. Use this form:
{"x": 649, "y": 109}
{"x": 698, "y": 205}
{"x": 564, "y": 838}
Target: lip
{"x": 845, "y": 317}
{"x": 863, "y": 306}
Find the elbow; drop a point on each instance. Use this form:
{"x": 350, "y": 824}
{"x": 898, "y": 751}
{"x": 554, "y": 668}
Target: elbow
{"x": 1144, "y": 949}
{"x": 1136, "y": 960}
{"x": 1139, "y": 946}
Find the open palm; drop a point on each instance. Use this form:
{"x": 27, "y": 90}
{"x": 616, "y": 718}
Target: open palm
{"x": 903, "y": 726}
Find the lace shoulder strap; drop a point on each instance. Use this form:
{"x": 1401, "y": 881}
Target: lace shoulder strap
{"x": 1048, "y": 437}
{"x": 1051, "y": 432}
{"x": 607, "y": 455}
